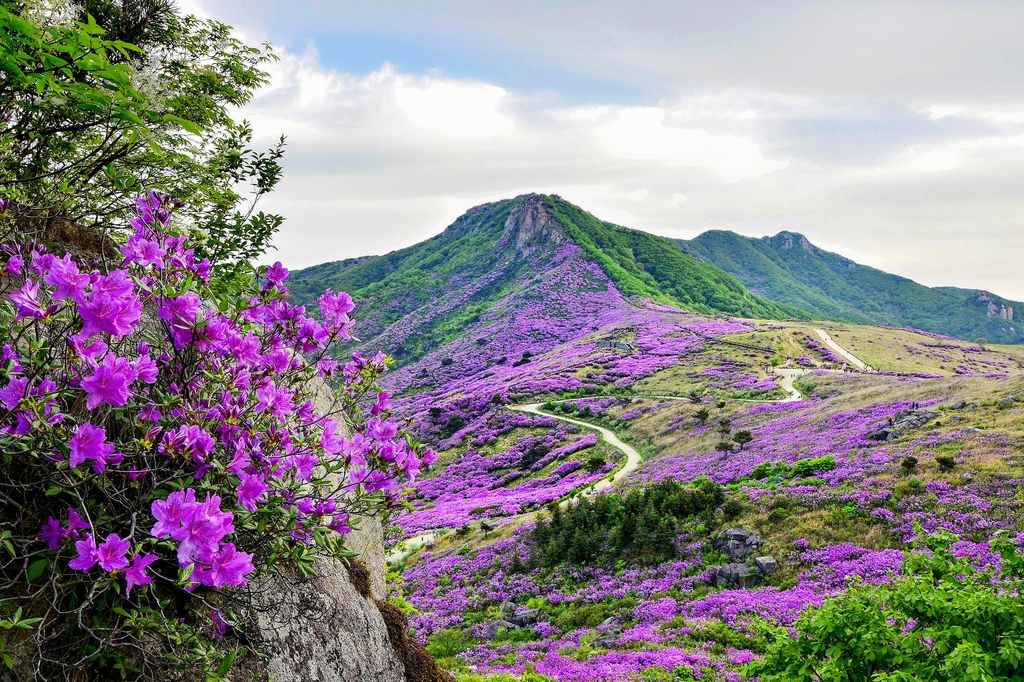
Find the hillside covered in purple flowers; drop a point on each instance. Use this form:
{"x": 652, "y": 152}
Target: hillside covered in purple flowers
{"x": 758, "y": 479}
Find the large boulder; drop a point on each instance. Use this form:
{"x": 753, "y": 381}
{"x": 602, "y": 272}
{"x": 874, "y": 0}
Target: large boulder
{"x": 904, "y": 420}
{"x": 495, "y": 627}
{"x": 737, "y": 543}
{"x": 525, "y": 617}
{"x": 766, "y": 565}
{"x": 737, "y": 576}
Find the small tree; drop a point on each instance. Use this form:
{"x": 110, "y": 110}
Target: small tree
{"x": 946, "y": 462}
{"x": 724, "y": 425}
{"x": 724, "y": 446}
{"x": 741, "y": 438}
{"x": 702, "y": 415}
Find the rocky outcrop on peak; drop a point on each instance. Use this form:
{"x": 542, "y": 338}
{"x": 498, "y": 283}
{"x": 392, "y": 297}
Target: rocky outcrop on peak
{"x": 532, "y": 228}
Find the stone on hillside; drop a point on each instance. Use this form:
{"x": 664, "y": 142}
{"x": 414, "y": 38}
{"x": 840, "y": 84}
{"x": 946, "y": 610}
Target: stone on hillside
{"x": 973, "y": 429}
{"x": 901, "y": 421}
{"x": 607, "y": 639}
{"x": 1006, "y": 402}
{"x": 525, "y": 617}
{"x": 737, "y": 543}
{"x": 766, "y": 564}
{"x": 608, "y": 621}
{"x": 959, "y": 405}
{"x": 737, "y": 576}
{"x": 507, "y": 608}
{"x": 492, "y": 629}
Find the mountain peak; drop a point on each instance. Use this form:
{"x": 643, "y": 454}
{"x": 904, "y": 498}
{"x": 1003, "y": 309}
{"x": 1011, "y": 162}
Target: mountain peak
{"x": 532, "y": 226}
{"x": 785, "y": 240}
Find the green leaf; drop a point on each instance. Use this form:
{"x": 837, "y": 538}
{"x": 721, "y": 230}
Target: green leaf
{"x": 188, "y": 125}
{"x": 36, "y": 569}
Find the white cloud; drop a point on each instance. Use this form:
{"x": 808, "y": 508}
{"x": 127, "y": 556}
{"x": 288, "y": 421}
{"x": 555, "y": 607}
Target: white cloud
{"x": 381, "y": 160}
{"x": 641, "y": 134}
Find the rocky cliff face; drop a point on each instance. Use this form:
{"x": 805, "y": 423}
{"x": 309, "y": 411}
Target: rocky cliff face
{"x": 329, "y": 628}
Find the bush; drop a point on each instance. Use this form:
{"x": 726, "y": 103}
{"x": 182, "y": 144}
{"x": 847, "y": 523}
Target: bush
{"x": 911, "y": 486}
{"x": 158, "y": 451}
{"x": 943, "y": 619}
{"x": 908, "y": 465}
{"x": 448, "y": 643}
{"x": 594, "y": 463}
{"x": 803, "y": 468}
{"x": 946, "y": 462}
{"x": 641, "y": 525}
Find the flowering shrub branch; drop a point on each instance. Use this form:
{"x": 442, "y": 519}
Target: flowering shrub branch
{"x": 162, "y": 443}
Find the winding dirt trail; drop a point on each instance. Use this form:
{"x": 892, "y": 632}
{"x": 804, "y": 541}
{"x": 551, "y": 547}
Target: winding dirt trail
{"x": 633, "y": 458}
{"x": 830, "y": 342}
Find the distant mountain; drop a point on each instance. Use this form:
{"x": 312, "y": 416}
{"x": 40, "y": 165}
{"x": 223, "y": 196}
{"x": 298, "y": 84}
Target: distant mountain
{"x": 531, "y": 272}
{"x": 790, "y": 270}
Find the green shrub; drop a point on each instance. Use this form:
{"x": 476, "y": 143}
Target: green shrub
{"x": 586, "y": 616}
{"x": 941, "y": 620}
{"x": 946, "y": 462}
{"x": 641, "y": 525}
{"x": 808, "y": 467}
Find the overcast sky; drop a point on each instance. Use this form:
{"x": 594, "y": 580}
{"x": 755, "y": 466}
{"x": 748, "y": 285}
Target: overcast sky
{"x": 891, "y": 132}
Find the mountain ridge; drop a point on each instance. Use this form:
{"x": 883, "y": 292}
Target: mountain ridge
{"x": 502, "y": 256}
{"x": 789, "y": 269}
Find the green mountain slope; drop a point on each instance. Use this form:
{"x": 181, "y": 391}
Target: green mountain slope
{"x": 788, "y": 269}
{"x": 508, "y": 254}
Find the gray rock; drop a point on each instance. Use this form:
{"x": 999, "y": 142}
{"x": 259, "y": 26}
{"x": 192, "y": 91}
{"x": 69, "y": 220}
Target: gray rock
{"x": 737, "y": 543}
{"x": 608, "y": 621}
{"x": 492, "y": 629}
{"x": 973, "y": 429}
{"x": 901, "y": 421}
{"x": 607, "y": 639}
{"x": 525, "y": 617}
{"x": 959, "y": 405}
{"x": 1007, "y": 402}
{"x": 320, "y": 628}
{"x": 737, "y": 576}
{"x": 507, "y": 608}
{"x": 766, "y": 564}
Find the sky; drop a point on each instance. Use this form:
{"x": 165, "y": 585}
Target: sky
{"x": 890, "y": 132}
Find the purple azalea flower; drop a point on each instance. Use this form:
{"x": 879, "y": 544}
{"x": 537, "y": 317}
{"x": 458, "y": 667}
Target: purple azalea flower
{"x": 226, "y": 567}
{"x": 251, "y": 490}
{"x": 171, "y": 513}
{"x": 203, "y": 530}
{"x": 112, "y": 307}
{"x": 110, "y": 382}
{"x": 75, "y": 522}
{"x": 276, "y": 275}
{"x": 27, "y": 300}
{"x": 180, "y": 315}
{"x": 111, "y": 554}
{"x": 218, "y": 626}
{"x": 335, "y": 307}
{"x": 69, "y": 281}
{"x": 87, "y": 554}
{"x": 277, "y": 401}
{"x": 87, "y": 350}
{"x": 14, "y": 264}
{"x": 144, "y": 251}
{"x": 52, "y": 533}
{"x": 136, "y": 573}
{"x": 90, "y": 442}
{"x": 12, "y": 394}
